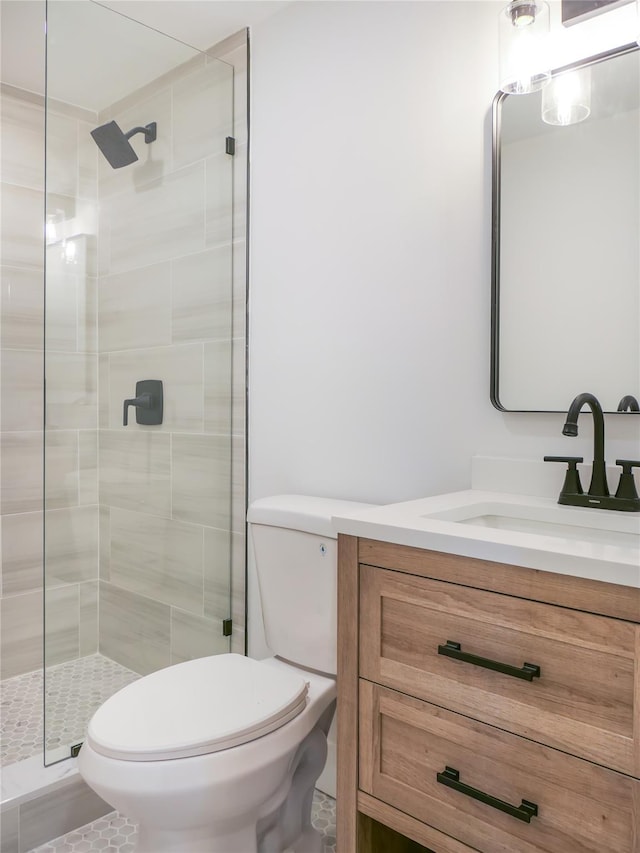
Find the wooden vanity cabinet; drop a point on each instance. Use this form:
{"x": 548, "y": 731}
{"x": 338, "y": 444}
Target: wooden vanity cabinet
{"x": 484, "y": 707}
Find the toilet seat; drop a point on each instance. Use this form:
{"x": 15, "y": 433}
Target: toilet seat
{"x": 197, "y": 707}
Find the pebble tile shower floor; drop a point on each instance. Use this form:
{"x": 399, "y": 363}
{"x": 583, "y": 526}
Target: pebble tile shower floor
{"x": 74, "y": 691}
{"x": 115, "y": 834}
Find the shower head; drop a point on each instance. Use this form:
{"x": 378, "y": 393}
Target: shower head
{"x": 115, "y": 145}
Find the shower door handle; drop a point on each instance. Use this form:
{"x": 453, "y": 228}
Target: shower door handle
{"x": 148, "y": 403}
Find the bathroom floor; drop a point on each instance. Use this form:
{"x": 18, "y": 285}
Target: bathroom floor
{"x": 74, "y": 691}
{"x": 115, "y": 834}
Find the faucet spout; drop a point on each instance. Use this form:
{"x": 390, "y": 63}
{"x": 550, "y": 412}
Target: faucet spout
{"x": 598, "y": 485}
{"x": 628, "y": 403}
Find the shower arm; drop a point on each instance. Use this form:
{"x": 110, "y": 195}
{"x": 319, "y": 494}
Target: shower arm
{"x": 150, "y": 132}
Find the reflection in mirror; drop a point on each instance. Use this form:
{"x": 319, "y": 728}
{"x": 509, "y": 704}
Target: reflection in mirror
{"x": 566, "y": 253}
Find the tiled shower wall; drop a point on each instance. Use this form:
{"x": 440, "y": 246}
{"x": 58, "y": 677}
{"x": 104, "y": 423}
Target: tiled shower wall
{"x": 158, "y": 279}
{"x": 71, "y": 452}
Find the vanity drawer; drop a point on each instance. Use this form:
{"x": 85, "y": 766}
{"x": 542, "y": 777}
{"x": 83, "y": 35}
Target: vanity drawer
{"x": 405, "y": 743}
{"x": 586, "y": 699}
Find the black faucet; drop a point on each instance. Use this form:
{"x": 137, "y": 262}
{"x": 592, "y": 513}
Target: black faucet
{"x": 628, "y": 403}
{"x": 598, "y": 486}
{"x": 626, "y": 497}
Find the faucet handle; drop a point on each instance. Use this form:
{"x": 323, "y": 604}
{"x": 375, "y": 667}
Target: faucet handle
{"x": 627, "y": 484}
{"x": 572, "y": 484}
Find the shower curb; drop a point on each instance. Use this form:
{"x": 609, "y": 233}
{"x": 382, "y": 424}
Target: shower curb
{"x": 42, "y": 803}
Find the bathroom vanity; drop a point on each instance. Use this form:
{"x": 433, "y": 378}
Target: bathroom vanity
{"x": 488, "y": 679}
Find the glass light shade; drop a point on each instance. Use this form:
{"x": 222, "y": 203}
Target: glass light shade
{"x": 567, "y": 98}
{"x": 524, "y": 46}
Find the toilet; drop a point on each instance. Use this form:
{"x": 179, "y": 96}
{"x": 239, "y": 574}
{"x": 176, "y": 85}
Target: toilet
{"x": 221, "y": 754}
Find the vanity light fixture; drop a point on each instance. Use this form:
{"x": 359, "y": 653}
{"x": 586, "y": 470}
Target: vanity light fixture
{"x": 567, "y": 98}
{"x": 524, "y": 39}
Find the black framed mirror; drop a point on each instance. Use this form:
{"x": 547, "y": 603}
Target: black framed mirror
{"x": 566, "y": 238}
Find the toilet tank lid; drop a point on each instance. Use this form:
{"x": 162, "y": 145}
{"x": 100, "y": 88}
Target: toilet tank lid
{"x": 301, "y": 512}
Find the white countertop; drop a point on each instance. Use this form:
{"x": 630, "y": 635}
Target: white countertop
{"x": 412, "y": 523}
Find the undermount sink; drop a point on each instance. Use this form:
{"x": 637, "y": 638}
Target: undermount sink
{"x": 579, "y": 525}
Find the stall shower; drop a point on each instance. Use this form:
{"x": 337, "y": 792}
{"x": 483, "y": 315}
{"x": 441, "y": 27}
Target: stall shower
{"x": 129, "y": 538}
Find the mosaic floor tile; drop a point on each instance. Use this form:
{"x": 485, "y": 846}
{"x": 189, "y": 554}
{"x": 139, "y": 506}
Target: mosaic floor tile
{"x": 74, "y": 691}
{"x": 115, "y": 834}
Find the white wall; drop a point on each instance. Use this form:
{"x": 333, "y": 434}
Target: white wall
{"x": 369, "y": 309}
{"x": 370, "y": 256}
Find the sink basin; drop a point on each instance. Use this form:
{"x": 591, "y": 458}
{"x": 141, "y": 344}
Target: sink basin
{"x": 560, "y": 522}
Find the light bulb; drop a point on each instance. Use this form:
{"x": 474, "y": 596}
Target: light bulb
{"x": 567, "y": 98}
{"x": 524, "y": 32}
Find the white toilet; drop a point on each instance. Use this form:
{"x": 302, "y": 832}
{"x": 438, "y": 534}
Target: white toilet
{"x": 221, "y": 754}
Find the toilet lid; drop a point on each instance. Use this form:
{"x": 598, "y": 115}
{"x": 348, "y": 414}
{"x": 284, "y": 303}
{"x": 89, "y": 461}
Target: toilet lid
{"x": 195, "y": 708}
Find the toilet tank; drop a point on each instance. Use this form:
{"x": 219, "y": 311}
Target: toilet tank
{"x": 295, "y": 550}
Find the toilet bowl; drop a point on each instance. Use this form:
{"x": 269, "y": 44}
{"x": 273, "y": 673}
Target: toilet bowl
{"x": 221, "y": 754}
{"x": 216, "y": 788}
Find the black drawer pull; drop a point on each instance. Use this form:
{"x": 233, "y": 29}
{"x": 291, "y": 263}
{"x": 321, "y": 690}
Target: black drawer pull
{"x": 529, "y": 671}
{"x": 451, "y": 778}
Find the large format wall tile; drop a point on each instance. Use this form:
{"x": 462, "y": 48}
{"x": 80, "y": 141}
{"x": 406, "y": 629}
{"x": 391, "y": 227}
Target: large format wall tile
{"x": 103, "y": 391}
{"x": 71, "y": 545}
{"x": 62, "y": 285}
{"x": 62, "y": 154}
{"x": 22, "y": 316}
{"x": 21, "y": 552}
{"x": 161, "y": 220}
{"x": 192, "y": 101}
{"x": 72, "y": 390}
{"x": 201, "y": 296}
{"x": 201, "y": 478}
{"x": 87, "y": 161}
{"x": 21, "y": 633}
{"x": 239, "y": 289}
{"x": 61, "y": 468}
{"x": 134, "y": 630}
{"x": 22, "y": 243}
{"x": 238, "y": 386}
{"x": 217, "y": 387}
{"x": 21, "y": 482}
{"x": 195, "y": 637}
{"x": 22, "y": 390}
{"x": 179, "y": 368}
{"x": 61, "y": 624}
{"x": 21, "y": 142}
{"x": 240, "y": 191}
{"x": 219, "y": 200}
{"x": 134, "y": 308}
{"x": 238, "y": 479}
{"x": 158, "y": 558}
{"x": 71, "y": 296}
{"x": 217, "y": 573}
{"x": 104, "y": 520}
{"x": 88, "y": 466}
{"x": 134, "y": 466}
{"x": 88, "y": 618}
{"x": 238, "y": 590}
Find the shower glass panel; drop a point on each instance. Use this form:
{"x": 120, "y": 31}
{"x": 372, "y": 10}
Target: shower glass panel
{"x": 137, "y": 287}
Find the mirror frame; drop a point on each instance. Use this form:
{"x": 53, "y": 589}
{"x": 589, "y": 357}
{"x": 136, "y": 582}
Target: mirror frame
{"x": 495, "y": 226}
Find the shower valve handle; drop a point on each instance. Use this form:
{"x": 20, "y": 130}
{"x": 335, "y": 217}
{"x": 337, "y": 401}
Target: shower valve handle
{"x": 141, "y": 402}
{"x": 148, "y": 403}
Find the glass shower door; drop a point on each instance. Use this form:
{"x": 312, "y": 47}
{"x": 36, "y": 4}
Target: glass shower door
{"x": 137, "y": 287}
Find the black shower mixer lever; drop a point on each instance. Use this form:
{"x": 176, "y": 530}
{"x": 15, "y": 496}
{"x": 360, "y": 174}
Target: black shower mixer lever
{"x": 148, "y": 403}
